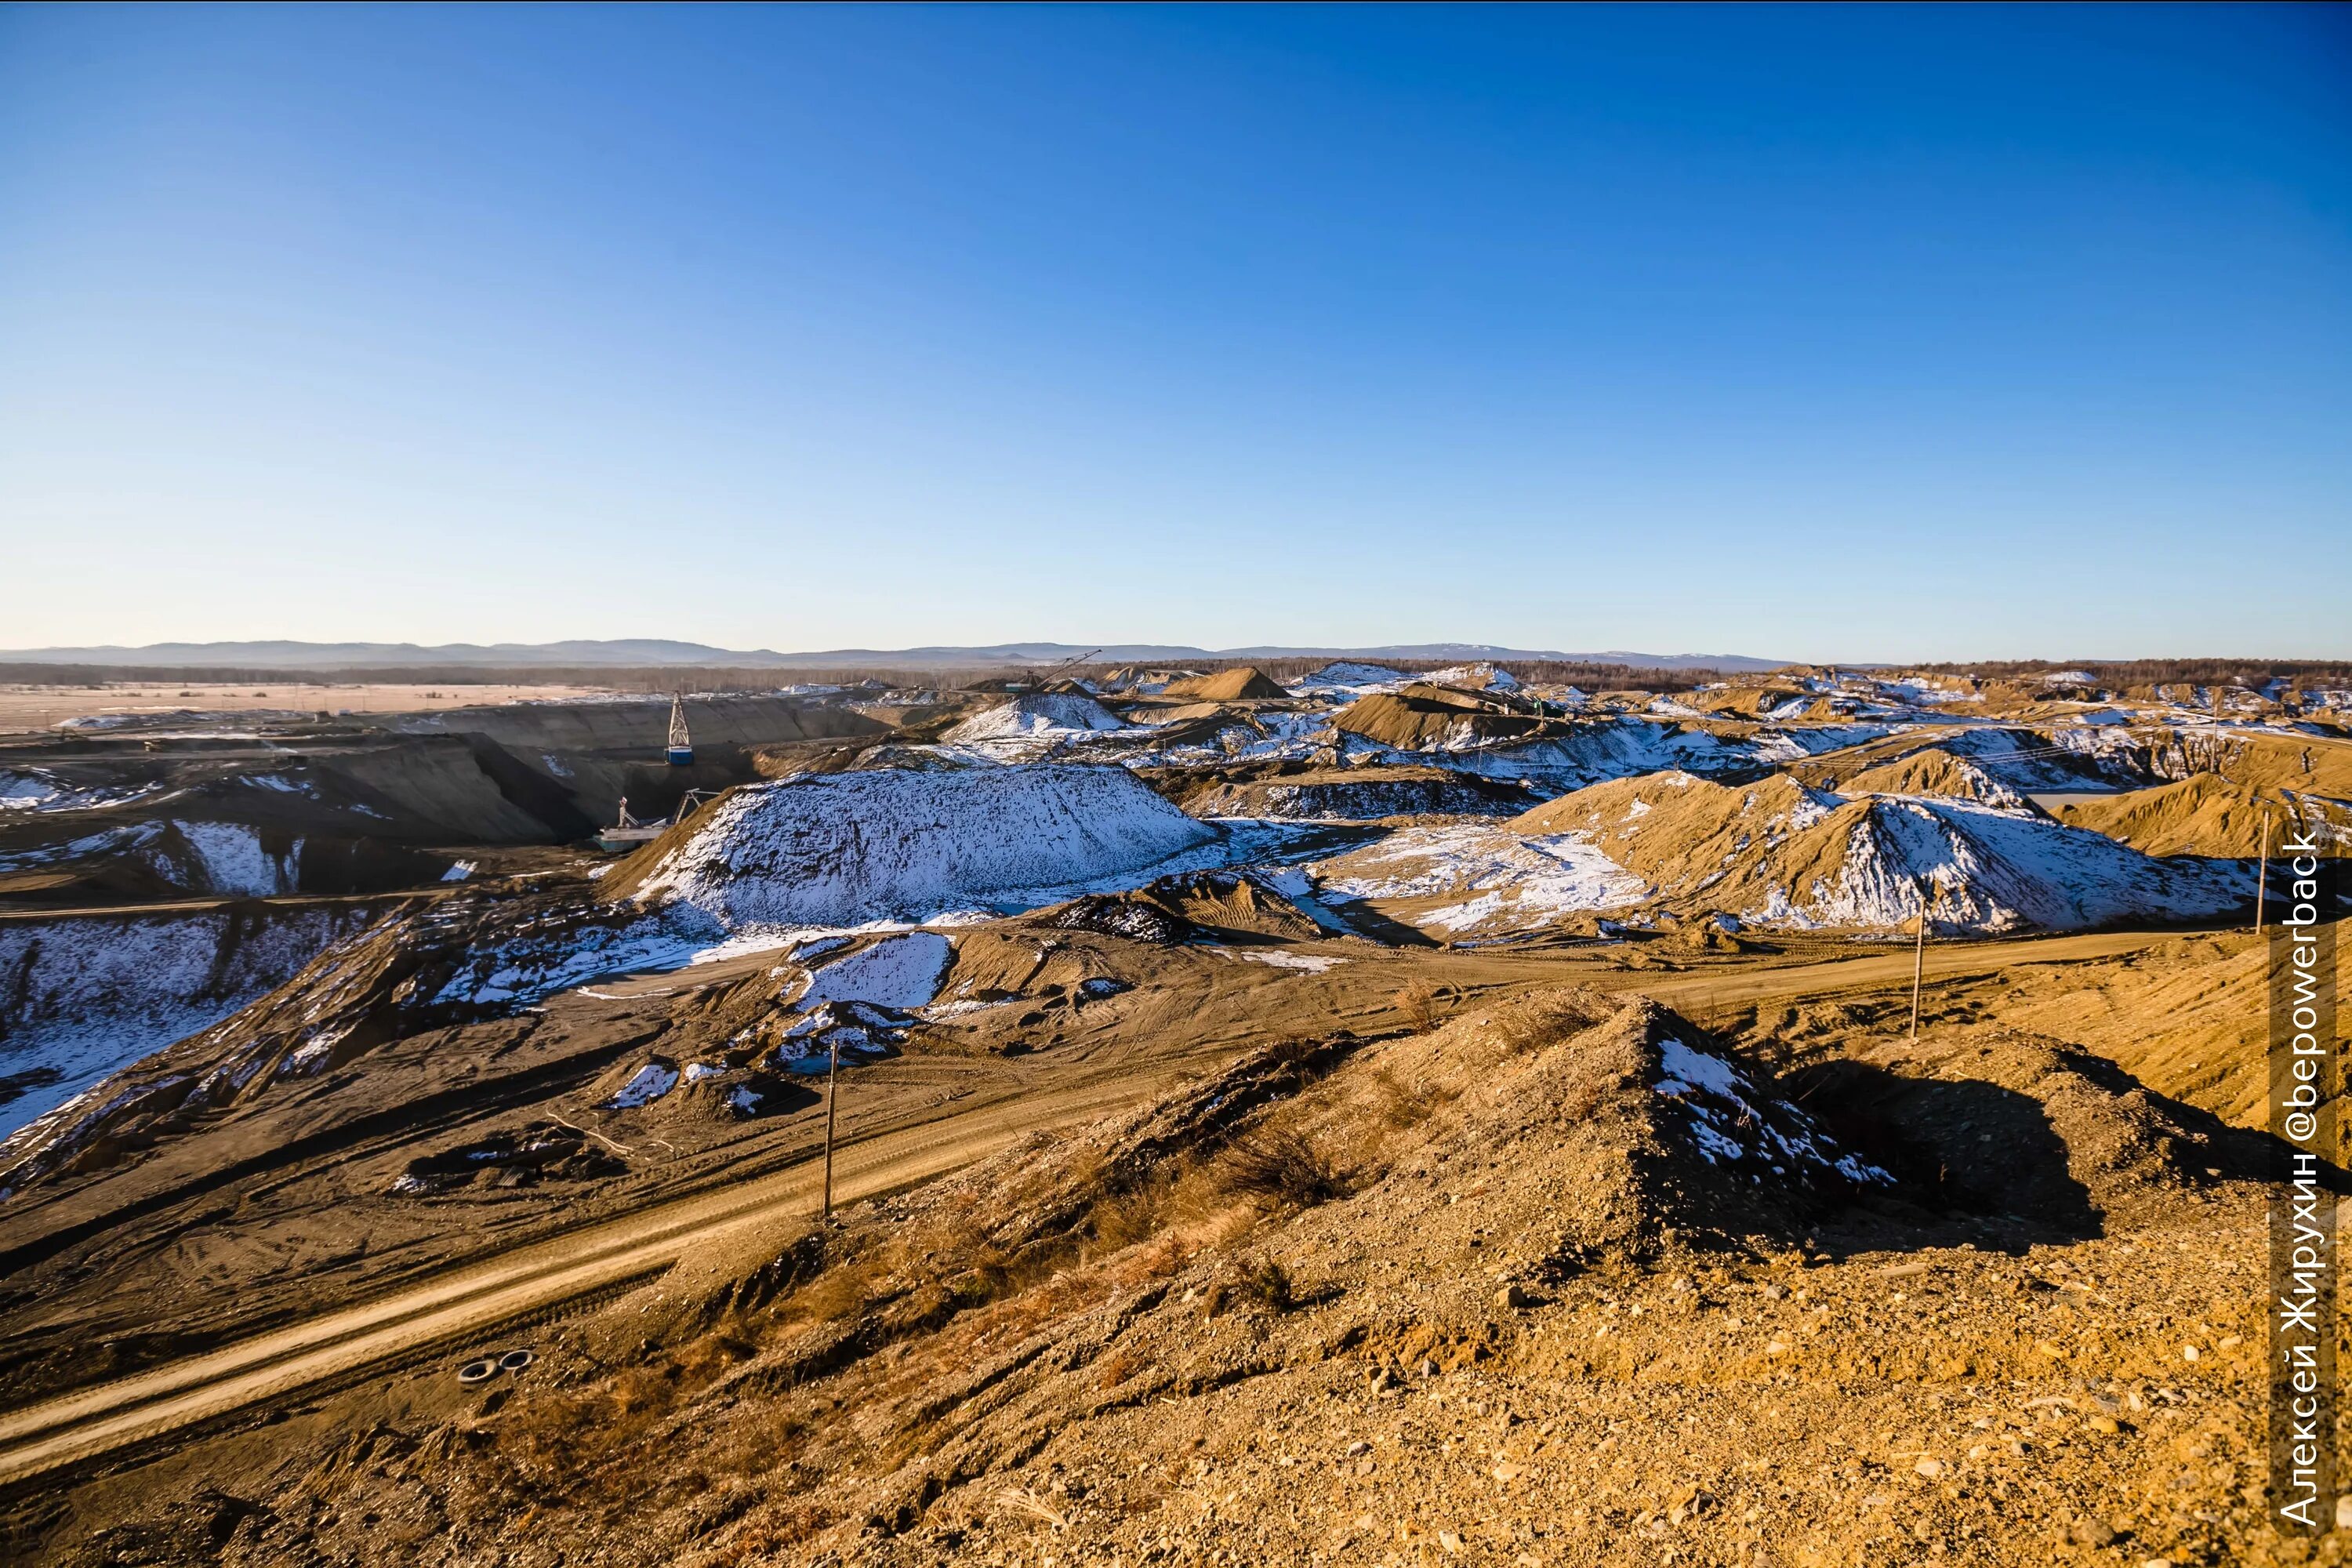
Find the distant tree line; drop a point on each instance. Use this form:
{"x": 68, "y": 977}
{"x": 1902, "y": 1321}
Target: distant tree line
{"x": 663, "y": 678}
{"x": 657, "y": 679}
{"x": 2157, "y": 671}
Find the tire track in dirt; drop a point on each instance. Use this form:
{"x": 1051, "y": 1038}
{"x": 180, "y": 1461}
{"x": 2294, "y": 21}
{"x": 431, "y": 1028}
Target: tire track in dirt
{"x": 544, "y": 1274}
{"x": 94, "y": 1421}
{"x": 1716, "y": 989}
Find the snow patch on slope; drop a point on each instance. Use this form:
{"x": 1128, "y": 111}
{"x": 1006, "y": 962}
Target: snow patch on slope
{"x": 1483, "y": 873}
{"x": 1731, "y": 1121}
{"x": 87, "y": 996}
{"x": 1998, "y": 871}
{"x": 901, "y": 972}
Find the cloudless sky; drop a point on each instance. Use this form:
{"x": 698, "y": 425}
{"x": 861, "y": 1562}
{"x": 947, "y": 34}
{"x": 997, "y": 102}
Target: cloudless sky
{"x": 1846, "y": 334}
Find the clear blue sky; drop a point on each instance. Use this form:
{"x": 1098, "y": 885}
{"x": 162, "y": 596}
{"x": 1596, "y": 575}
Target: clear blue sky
{"x": 1809, "y": 333}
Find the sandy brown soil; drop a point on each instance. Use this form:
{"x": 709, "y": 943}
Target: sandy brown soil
{"x": 1415, "y": 1290}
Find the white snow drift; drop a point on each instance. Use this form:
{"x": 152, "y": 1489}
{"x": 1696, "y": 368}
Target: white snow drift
{"x": 847, "y": 849}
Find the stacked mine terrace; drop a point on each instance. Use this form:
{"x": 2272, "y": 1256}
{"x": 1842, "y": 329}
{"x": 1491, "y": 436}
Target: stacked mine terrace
{"x": 1310, "y": 1110}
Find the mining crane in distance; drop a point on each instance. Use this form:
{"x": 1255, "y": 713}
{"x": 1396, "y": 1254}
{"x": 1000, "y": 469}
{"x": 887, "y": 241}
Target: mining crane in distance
{"x": 1037, "y": 679}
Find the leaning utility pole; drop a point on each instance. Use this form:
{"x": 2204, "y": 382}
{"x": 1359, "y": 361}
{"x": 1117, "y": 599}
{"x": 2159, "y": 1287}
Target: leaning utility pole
{"x": 2263, "y": 876}
{"x": 831, "y": 1077}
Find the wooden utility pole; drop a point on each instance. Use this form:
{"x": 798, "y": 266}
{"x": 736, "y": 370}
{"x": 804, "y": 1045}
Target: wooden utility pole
{"x": 1918, "y": 965}
{"x": 2263, "y": 876}
{"x": 832, "y": 1093}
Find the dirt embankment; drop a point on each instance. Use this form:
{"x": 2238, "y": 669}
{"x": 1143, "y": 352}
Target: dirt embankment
{"x": 1225, "y": 686}
{"x": 1544, "y": 1280}
{"x": 2209, "y": 816}
{"x": 1356, "y": 795}
{"x": 1423, "y": 718}
{"x": 642, "y": 725}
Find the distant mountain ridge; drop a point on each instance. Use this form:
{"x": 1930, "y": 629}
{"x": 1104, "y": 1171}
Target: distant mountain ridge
{"x": 639, "y": 652}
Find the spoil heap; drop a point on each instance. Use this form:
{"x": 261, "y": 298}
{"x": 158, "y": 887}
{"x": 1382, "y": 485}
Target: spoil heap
{"x": 2206, "y": 815}
{"x": 1226, "y": 686}
{"x": 1777, "y": 853}
{"x": 841, "y": 849}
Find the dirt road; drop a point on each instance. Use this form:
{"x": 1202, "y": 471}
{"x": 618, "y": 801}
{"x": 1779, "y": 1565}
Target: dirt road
{"x": 96, "y": 1420}
{"x": 1720, "y": 989}
{"x": 547, "y": 1273}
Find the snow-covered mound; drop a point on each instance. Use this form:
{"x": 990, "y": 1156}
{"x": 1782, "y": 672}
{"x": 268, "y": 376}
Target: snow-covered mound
{"x": 1475, "y": 678}
{"x": 1347, "y": 678}
{"x": 1777, "y": 853}
{"x": 845, "y": 850}
{"x": 901, "y": 972}
{"x": 37, "y": 789}
{"x": 1035, "y": 716}
{"x": 1773, "y": 853}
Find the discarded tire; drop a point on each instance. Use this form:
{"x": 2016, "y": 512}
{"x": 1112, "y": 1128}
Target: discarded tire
{"x": 477, "y": 1370}
{"x": 515, "y": 1361}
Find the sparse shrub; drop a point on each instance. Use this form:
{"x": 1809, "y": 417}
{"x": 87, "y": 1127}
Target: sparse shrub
{"x": 992, "y": 1271}
{"x": 713, "y": 1353}
{"x": 1023, "y": 1502}
{"x": 640, "y": 1390}
{"x": 1291, "y": 1051}
{"x": 1547, "y": 1020}
{"x": 1124, "y": 1218}
{"x": 1267, "y": 1282}
{"x": 1418, "y": 1003}
{"x": 772, "y": 1529}
{"x": 1283, "y": 1168}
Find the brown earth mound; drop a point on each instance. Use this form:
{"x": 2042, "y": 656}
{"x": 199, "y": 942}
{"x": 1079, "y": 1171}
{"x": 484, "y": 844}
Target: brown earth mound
{"x": 1226, "y": 686}
{"x": 1506, "y": 1288}
{"x": 1997, "y": 1121}
{"x": 1676, "y": 831}
{"x": 1187, "y": 906}
{"x": 1932, "y": 771}
{"x": 1745, "y": 701}
{"x": 2315, "y": 765}
{"x": 2205, "y": 815}
{"x": 1425, "y": 718}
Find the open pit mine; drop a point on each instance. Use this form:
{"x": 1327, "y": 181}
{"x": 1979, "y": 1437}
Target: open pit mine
{"x": 1348, "y": 1114}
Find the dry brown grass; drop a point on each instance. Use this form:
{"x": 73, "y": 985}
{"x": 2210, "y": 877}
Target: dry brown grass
{"x": 1418, "y": 1003}
{"x": 1021, "y": 1502}
{"x": 1400, "y": 1105}
{"x": 1281, "y": 1168}
{"x": 765, "y": 1535}
{"x": 1547, "y": 1020}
